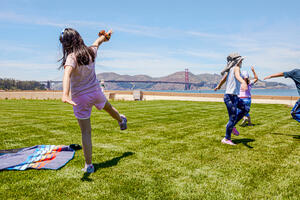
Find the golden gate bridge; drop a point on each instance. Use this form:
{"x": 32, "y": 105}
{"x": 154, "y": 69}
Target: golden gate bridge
{"x": 187, "y": 84}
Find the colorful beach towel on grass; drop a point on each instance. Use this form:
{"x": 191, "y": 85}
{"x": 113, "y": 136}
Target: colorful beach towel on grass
{"x": 36, "y": 157}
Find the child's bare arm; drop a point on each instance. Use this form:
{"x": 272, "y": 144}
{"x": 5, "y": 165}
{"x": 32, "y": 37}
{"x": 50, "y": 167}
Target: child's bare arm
{"x": 255, "y": 75}
{"x": 101, "y": 39}
{"x": 66, "y": 86}
{"x": 274, "y": 75}
{"x": 221, "y": 82}
{"x": 237, "y": 75}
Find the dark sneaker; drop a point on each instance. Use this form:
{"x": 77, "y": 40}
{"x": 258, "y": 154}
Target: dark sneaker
{"x": 235, "y": 132}
{"x": 89, "y": 169}
{"x": 244, "y": 122}
{"x": 123, "y": 124}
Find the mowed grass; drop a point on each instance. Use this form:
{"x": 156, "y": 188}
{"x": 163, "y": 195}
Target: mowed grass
{"x": 171, "y": 150}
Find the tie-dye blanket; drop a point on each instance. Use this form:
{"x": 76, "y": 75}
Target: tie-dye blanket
{"x": 36, "y": 157}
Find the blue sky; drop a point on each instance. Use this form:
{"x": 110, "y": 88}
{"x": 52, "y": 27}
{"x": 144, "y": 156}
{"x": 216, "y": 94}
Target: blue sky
{"x": 156, "y": 38}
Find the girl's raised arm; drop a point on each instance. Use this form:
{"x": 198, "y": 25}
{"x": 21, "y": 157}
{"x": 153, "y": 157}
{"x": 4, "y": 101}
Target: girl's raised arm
{"x": 101, "y": 39}
{"x": 255, "y": 75}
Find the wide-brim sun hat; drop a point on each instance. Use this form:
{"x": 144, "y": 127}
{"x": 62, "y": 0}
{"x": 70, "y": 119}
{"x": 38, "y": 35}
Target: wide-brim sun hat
{"x": 233, "y": 59}
{"x": 240, "y": 59}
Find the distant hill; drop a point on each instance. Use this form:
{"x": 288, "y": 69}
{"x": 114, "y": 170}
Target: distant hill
{"x": 204, "y": 81}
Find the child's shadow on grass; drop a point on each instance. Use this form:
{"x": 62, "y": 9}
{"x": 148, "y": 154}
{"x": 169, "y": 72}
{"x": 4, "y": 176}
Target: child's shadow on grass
{"x": 106, "y": 164}
{"x": 297, "y": 137}
{"x": 244, "y": 141}
{"x": 256, "y": 124}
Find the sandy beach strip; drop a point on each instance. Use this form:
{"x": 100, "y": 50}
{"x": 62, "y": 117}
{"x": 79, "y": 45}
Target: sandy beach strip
{"x": 149, "y": 95}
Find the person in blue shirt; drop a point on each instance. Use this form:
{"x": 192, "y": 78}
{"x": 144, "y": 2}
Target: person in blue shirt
{"x": 295, "y": 76}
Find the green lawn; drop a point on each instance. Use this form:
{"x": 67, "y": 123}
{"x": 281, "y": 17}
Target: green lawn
{"x": 171, "y": 150}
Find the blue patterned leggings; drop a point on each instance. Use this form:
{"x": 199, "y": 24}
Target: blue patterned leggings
{"x": 232, "y": 103}
{"x": 247, "y": 102}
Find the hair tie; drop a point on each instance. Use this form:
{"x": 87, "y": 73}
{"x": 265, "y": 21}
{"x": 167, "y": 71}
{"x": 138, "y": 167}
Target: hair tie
{"x": 62, "y": 32}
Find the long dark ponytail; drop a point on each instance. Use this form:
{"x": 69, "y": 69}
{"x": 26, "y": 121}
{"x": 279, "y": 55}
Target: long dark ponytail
{"x": 72, "y": 43}
{"x": 247, "y": 81}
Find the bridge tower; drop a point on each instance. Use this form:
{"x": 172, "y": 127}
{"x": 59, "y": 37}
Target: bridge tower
{"x": 48, "y": 85}
{"x": 187, "y": 80}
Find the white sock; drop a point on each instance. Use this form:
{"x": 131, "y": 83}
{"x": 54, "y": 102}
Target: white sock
{"x": 88, "y": 165}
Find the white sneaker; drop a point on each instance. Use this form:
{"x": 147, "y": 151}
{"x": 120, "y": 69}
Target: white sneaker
{"x": 225, "y": 141}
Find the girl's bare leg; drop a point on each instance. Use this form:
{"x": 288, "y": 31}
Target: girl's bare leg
{"x": 85, "y": 126}
{"x": 249, "y": 121}
{"x": 112, "y": 111}
{"x": 244, "y": 121}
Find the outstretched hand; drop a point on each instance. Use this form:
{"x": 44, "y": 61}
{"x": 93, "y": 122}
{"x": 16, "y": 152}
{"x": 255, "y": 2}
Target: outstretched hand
{"x": 217, "y": 88}
{"x": 106, "y": 35}
{"x": 67, "y": 99}
{"x": 267, "y": 77}
{"x": 109, "y": 32}
{"x": 252, "y": 68}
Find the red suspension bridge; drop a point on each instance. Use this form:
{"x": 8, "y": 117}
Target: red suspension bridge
{"x": 187, "y": 84}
